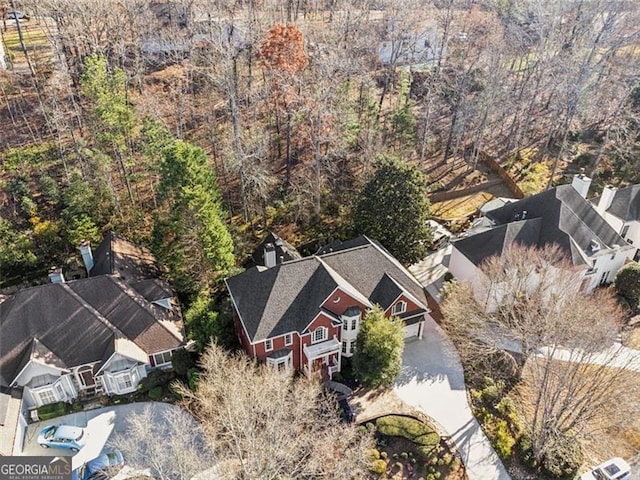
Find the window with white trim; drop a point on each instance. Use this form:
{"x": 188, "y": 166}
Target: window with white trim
{"x": 268, "y": 345}
{"x": 399, "y": 307}
{"x": 354, "y": 324}
{"x": 352, "y": 346}
{"x": 344, "y": 346}
{"x": 47, "y": 396}
{"x": 288, "y": 339}
{"x": 319, "y": 334}
{"x": 283, "y": 364}
{"x": 123, "y": 382}
{"x": 162, "y": 358}
{"x": 345, "y": 324}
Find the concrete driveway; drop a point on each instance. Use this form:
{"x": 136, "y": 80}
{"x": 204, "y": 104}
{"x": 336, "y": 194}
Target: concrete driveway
{"x": 432, "y": 381}
{"x": 100, "y": 426}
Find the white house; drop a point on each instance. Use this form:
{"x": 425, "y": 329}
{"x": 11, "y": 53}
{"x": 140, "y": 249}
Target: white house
{"x": 621, "y": 209}
{"x": 98, "y": 335}
{"x": 560, "y": 216}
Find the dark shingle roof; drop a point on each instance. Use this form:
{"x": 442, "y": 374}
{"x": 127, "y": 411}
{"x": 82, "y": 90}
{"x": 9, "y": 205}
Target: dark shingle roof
{"x": 153, "y": 289}
{"x": 130, "y": 315}
{"x": 75, "y": 323}
{"x": 364, "y": 267}
{"x": 280, "y": 299}
{"x": 58, "y": 320}
{"x": 492, "y": 242}
{"x": 626, "y": 204}
{"x": 117, "y": 256}
{"x": 565, "y": 219}
{"x": 287, "y": 297}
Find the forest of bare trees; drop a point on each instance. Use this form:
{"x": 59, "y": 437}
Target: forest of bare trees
{"x": 294, "y": 100}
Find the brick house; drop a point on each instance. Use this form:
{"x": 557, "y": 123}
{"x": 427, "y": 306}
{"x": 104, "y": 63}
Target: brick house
{"x": 304, "y": 314}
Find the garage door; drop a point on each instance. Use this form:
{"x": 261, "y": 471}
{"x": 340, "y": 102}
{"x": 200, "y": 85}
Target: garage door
{"x": 411, "y": 330}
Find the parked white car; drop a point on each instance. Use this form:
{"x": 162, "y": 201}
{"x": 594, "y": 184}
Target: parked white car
{"x": 614, "y": 469}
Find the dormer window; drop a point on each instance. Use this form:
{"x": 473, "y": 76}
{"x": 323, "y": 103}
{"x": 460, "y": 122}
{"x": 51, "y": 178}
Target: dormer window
{"x": 319, "y": 334}
{"x": 399, "y": 308}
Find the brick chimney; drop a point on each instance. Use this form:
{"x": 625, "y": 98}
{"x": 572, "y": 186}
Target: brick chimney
{"x": 87, "y": 255}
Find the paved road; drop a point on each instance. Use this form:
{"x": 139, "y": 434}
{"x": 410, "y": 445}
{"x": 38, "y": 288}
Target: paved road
{"x": 100, "y": 425}
{"x": 432, "y": 380}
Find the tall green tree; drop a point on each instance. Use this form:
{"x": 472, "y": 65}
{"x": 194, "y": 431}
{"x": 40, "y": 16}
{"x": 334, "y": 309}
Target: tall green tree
{"x": 113, "y": 120}
{"x": 393, "y": 209}
{"x": 378, "y": 357}
{"x": 190, "y": 235}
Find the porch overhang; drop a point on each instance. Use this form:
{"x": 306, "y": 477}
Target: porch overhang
{"x": 322, "y": 349}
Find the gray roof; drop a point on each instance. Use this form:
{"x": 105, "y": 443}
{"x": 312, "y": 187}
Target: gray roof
{"x": 153, "y": 289}
{"x": 75, "y": 323}
{"x": 287, "y": 297}
{"x": 626, "y": 204}
{"x": 56, "y": 318}
{"x": 492, "y": 242}
{"x": 120, "y": 257}
{"x": 562, "y": 217}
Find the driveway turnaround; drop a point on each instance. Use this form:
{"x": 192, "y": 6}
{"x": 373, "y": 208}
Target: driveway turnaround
{"x": 100, "y": 426}
{"x": 432, "y": 381}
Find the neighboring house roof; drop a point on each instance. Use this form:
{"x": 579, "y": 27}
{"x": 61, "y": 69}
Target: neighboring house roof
{"x": 625, "y": 204}
{"x": 153, "y": 289}
{"x": 492, "y": 242}
{"x": 287, "y": 297}
{"x": 285, "y": 252}
{"x": 495, "y": 203}
{"x": 130, "y": 262}
{"x": 559, "y": 216}
{"x": 85, "y": 321}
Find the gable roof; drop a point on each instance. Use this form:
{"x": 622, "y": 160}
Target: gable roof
{"x": 625, "y": 204}
{"x": 559, "y": 216}
{"x": 58, "y": 320}
{"x": 286, "y": 298}
{"x": 85, "y": 321}
{"x": 120, "y": 257}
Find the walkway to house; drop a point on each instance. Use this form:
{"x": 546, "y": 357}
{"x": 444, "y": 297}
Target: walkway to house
{"x": 432, "y": 381}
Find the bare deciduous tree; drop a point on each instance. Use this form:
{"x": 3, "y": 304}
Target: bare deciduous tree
{"x": 530, "y": 310}
{"x": 257, "y": 423}
{"x": 172, "y": 447}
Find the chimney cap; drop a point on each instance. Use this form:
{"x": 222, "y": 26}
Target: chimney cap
{"x": 85, "y": 243}
{"x": 55, "y": 269}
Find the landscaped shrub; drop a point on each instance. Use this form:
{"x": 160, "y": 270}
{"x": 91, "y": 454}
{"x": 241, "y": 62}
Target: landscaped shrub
{"x": 378, "y": 467}
{"x": 503, "y": 440}
{"x": 181, "y": 362}
{"x": 154, "y": 379}
{"x": 564, "y": 458}
{"x": 193, "y": 375}
{"x": 155, "y": 393}
{"x": 53, "y": 410}
{"x": 490, "y": 394}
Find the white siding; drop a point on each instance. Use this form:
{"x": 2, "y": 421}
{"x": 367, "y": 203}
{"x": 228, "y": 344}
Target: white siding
{"x": 35, "y": 369}
{"x": 464, "y": 270}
